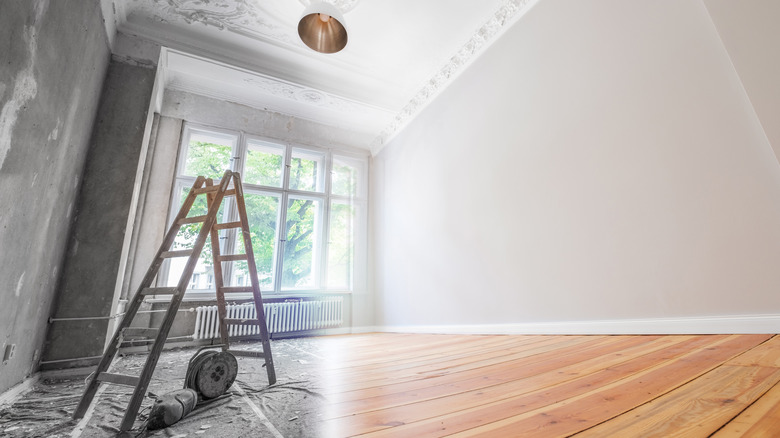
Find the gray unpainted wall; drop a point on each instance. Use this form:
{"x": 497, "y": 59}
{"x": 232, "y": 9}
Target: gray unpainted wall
{"x": 95, "y": 249}
{"x": 53, "y": 58}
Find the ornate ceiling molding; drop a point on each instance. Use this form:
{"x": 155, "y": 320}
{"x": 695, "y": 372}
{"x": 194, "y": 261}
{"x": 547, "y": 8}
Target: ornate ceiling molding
{"x": 299, "y": 93}
{"x": 244, "y": 17}
{"x": 202, "y": 76}
{"x": 509, "y": 11}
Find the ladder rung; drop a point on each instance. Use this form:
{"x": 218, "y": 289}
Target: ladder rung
{"x": 143, "y": 332}
{"x": 247, "y": 353}
{"x": 214, "y": 188}
{"x": 180, "y": 253}
{"x": 235, "y": 289}
{"x": 234, "y": 321}
{"x": 119, "y": 379}
{"x": 159, "y": 291}
{"x": 232, "y": 257}
{"x": 192, "y": 219}
{"x": 227, "y": 225}
{"x": 206, "y": 189}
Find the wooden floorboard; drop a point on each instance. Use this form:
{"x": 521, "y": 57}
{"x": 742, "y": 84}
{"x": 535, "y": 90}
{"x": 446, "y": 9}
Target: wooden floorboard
{"x": 407, "y": 385}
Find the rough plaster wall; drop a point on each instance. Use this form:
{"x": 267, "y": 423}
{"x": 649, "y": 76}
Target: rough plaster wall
{"x": 153, "y": 210}
{"x": 600, "y": 161}
{"x": 94, "y": 251}
{"x": 53, "y": 58}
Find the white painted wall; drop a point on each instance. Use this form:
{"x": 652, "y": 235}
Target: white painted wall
{"x": 600, "y": 162}
{"x": 750, "y": 32}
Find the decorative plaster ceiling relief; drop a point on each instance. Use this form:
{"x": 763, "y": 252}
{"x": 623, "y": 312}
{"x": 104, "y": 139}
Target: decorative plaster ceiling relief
{"x": 250, "y": 18}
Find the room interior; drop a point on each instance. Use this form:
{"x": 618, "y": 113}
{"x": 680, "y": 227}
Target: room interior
{"x": 517, "y": 168}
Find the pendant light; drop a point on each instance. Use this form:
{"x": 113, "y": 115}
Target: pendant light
{"x": 322, "y": 28}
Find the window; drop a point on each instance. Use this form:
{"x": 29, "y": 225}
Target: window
{"x": 303, "y": 204}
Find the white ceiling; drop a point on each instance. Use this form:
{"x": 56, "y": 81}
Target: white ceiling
{"x": 400, "y": 54}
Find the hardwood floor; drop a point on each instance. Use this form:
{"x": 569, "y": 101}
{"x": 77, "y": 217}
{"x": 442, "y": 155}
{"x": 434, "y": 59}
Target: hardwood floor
{"x": 406, "y": 385}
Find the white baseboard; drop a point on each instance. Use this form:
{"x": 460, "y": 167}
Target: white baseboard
{"x": 17, "y": 391}
{"x": 366, "y": 329}
{"x": 732, "y": 324}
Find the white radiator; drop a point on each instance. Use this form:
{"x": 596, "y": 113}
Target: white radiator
{"x": 281, "y": 317}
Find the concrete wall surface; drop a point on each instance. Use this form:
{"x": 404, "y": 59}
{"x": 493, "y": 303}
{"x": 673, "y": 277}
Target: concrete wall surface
{"x": 94, "y": 251}
{"x": 601, "y": 161}
{"x": 53, "y": 58}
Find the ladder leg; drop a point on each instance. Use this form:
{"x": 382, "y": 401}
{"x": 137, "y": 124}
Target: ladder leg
{"x": 269, "y": 359}
{"x": 247, "y": 236}
{"x": 218, "y": 280}
{"x": 151, "y": 363}
{"x": 105, "y": 361}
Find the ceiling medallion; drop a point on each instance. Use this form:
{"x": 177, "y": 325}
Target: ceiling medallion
{"x": 313, "y": 97}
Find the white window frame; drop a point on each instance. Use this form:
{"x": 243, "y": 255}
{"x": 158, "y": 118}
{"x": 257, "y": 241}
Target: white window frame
{"x": 320, "y": 251}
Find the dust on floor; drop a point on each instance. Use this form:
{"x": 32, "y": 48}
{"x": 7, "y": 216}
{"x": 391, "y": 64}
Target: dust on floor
{"x": 290, "y": 408}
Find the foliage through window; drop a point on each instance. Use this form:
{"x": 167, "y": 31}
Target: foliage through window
{"x": 302, "y": 205}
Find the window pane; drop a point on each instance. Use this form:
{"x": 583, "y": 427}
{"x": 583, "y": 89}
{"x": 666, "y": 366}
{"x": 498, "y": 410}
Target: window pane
{"x": 203, "y": 275}
{"x": 302, "y": 231}
{"x": 208, "y": 154}
{"x": 341, "y": 248}
{"x": 262, "y": 213}
{"x": 344, "y": 177}
{"x": 306, "y": 170}
{"x": 264, "y": 164}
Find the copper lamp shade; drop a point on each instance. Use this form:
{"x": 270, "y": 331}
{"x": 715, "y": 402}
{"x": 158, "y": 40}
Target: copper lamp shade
{"x": 322, "y": 28}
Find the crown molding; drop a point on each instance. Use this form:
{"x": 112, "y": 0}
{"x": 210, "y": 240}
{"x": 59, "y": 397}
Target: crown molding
{"x": 506, "y": 15}
{"x": 194, "y": 74}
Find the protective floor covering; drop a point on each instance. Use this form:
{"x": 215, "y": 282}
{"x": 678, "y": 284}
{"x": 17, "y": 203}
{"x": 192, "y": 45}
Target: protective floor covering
{"x": 290, "y": 408}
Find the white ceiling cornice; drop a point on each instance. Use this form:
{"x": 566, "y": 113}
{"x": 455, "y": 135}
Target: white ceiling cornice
{"x": 507, "y": 14}
{"x": 210, "y": 78}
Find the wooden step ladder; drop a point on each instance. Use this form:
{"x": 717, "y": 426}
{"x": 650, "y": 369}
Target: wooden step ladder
{"x": 214, "y": 196}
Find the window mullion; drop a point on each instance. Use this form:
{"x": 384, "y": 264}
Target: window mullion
{"x": 282, "y": 241}
{"x": 325, "y": 224}
{"x": 282, "y": 228}
{"x": 325, "y": 244}
{"x": 231, "y": 210}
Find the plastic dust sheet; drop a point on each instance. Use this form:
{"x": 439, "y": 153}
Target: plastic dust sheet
{"x": 292, "y": 407}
